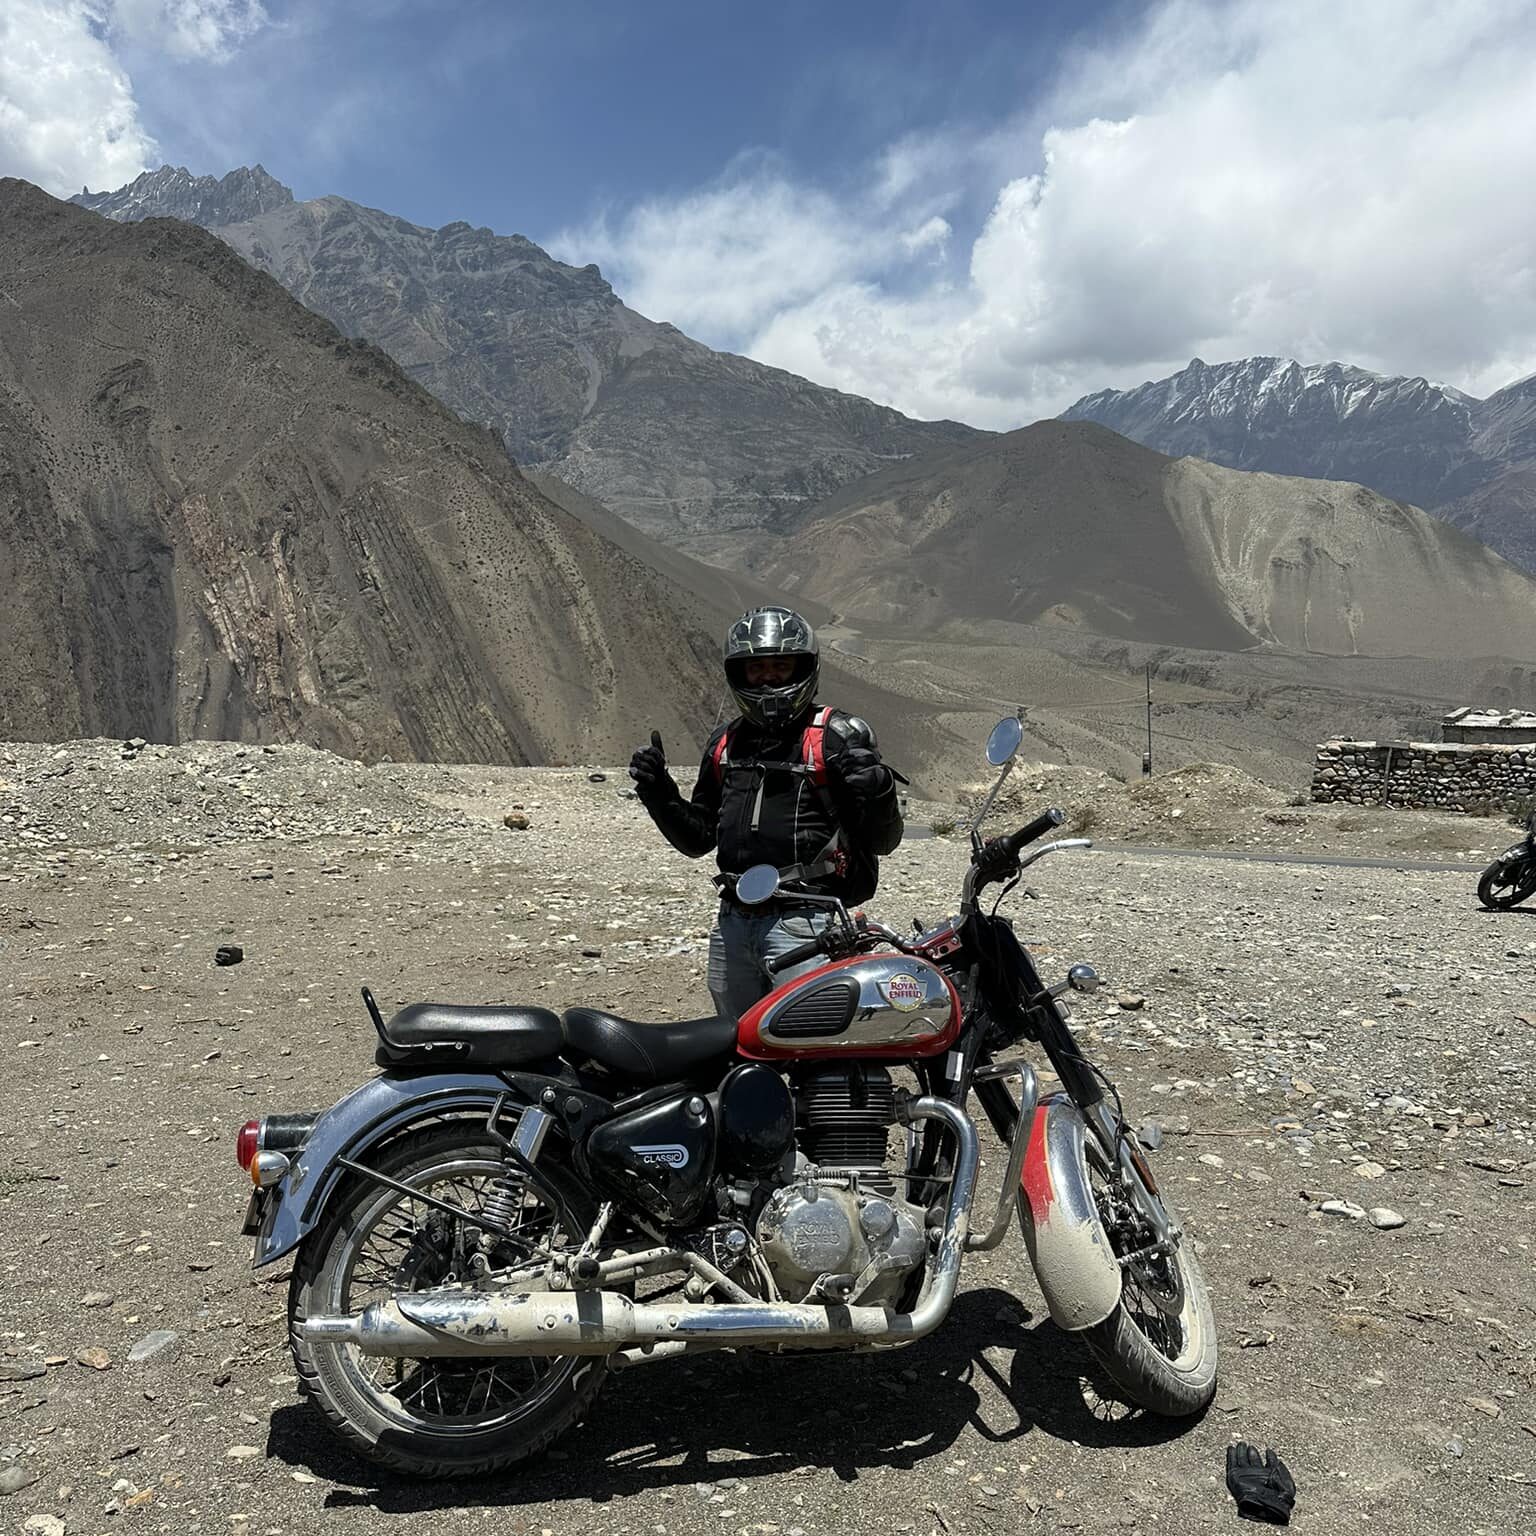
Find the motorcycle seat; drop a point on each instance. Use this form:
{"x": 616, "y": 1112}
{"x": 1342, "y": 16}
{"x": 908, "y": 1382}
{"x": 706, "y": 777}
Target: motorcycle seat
{"x": 450, "y": 1033}
{"x": 646, "y": 1053}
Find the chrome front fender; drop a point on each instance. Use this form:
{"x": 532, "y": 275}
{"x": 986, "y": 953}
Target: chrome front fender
{"x": 1077, "y": 1270}
{"x": 380, "y": 1108}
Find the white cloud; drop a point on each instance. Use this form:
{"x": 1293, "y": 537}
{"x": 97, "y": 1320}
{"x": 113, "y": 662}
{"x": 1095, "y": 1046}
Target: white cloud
{"x": 1314, "y": 179}
{"x": 189, "y": 29}
{"x": 67, "y": 113}
{"x": 725, "y": 259}
{"x": 931, "y": 235}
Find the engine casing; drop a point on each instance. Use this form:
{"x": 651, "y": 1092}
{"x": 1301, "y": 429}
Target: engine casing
{"x": 869, "y": 1005}
{"x": 810, "y": 1229}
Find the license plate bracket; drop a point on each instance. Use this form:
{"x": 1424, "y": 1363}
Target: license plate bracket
{"x": 254, "y": 1209}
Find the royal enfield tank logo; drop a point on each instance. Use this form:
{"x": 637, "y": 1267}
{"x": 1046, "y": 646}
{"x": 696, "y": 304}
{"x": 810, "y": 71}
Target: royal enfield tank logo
{"x": 903, "y": 992}
{"x": 665, "y": 1154}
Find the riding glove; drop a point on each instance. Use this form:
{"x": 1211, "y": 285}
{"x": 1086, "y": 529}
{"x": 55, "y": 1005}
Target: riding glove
{"x": 864, "y": 773}
{"x": 648, "y": 768}
{"x": 1261, "y": 1484}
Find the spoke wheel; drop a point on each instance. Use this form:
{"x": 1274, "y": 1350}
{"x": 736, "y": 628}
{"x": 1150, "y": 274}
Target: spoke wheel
{"x": 443, "y": 1416}
{"x": 1159, "y": 1344}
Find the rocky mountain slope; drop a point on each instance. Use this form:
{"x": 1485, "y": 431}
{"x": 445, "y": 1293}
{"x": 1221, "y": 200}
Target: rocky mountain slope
{"x": 1069, "y": 524}
{"x": 221, "y": 517}
{"x": 1470, "y": 461}
{"x": 173, "y": 192}
{"x": 695, "y": 446}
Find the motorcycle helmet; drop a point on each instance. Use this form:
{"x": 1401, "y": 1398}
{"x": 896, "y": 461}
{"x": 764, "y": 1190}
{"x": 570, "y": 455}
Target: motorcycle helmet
{"x": 772, "y": 632}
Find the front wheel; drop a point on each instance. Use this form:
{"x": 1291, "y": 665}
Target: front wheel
{"x": 1506, "y": 884}
{"x": 449, "y": 1416}
{"x": 1159, "y": 1344}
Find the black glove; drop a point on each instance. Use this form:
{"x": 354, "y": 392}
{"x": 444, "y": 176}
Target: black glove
{"x": 648, "y": 768}
{"x": 1262, "y": 1485}
{"x": 863, "y": 772}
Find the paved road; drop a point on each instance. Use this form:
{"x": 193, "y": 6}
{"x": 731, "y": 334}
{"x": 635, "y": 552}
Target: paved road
{"x": 1333, "y": 861}
{"x": 1247, "y": 856}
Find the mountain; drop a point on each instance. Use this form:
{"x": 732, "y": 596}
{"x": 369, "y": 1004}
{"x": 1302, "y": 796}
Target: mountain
{"x": 1470, "y": 461}
{"x": 1406, "y": 438}
{"x": 219, "y": 517}
{"x": 1070, "y": 525}
{"x": 701, "y": 448}
{"x": 173, "y": 192}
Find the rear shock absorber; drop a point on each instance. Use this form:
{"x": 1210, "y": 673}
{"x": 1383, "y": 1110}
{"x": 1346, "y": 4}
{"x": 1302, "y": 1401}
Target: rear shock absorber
{"x": 504, "y": 1204}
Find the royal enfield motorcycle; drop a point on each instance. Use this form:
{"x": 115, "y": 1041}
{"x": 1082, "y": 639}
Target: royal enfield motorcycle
{"x": 522, "y": 1202}
{"x": 1512, "y": 876}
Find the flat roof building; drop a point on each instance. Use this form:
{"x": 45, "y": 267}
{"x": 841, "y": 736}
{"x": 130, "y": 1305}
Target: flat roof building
{"x": 1504, "y": 726}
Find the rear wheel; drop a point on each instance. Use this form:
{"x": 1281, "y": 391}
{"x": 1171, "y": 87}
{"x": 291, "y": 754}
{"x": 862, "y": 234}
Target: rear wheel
{"x": 446, "y": 1416}
{"x": 1159, "y": 1344}
{"x": 1503, "y": 885}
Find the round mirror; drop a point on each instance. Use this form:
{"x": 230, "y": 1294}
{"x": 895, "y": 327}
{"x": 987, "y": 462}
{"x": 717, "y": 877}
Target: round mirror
{"x": 1004, "y": 740}
{"x": 756, "y": 884}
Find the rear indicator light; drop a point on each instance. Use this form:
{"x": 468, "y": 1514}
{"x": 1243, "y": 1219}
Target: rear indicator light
{"x": 248, "y": 1143}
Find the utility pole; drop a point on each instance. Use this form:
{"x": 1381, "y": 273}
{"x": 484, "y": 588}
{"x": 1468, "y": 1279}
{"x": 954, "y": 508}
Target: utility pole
{"x": 1146, "y": 757}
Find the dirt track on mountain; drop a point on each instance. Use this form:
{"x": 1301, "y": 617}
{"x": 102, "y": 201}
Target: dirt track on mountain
{"x": 1365, "y": 1033}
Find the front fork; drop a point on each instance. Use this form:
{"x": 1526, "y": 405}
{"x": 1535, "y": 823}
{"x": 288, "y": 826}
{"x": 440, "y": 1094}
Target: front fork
{"x": 1114, "y": 1139}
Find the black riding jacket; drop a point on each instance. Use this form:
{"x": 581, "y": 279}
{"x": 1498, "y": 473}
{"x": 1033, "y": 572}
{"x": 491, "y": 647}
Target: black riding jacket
{"x": 792, "y": 821}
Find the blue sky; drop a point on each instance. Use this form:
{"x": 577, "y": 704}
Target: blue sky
{"x": 970, "y": 209}
{"x": 531, "y": 117}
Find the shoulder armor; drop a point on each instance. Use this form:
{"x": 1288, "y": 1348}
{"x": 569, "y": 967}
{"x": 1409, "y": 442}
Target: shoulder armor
{"x": 853, "y": 731}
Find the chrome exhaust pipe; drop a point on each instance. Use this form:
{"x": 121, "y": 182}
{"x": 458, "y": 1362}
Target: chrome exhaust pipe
{"x": 417, "y": 1326}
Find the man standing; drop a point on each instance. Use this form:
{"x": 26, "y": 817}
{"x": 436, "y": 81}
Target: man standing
{"x": 785, "y": 783}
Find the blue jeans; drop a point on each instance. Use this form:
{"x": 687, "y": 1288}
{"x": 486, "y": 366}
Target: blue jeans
{"x": 741, "y": 941}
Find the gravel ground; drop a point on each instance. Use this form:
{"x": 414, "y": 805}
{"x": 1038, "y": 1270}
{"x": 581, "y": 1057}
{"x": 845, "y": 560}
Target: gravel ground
{"x": 1294, "y": 1033}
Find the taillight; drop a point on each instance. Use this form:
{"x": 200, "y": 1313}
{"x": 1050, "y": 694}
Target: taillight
{"x": 248, "y": 1143}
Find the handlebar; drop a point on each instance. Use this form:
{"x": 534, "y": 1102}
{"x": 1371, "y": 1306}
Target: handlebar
{"x": 1009, "y": 846}
{"x": 801, "y": 952}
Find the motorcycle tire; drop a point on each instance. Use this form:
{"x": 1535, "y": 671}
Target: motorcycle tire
{"x": 410, "y": 1425}
{"x": 1162, "y": 1357}
{"x": 1141, "y": 1368}
{"x": 1498, "y": 892}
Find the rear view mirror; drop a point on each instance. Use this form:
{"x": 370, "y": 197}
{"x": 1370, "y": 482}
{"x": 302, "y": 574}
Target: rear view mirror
{"x": 757, "y": 885}
{"x": 1004, "y": 741}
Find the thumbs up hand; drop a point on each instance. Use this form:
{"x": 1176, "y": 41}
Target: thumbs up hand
{"x": 648, "y": 768}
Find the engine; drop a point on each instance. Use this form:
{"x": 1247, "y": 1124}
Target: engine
{"x": 838, "y": 1231}
{"x": 829, "y": 1241}
{"x": 843, "y": 1115}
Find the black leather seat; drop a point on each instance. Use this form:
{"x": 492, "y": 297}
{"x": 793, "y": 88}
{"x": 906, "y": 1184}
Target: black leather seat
{"x": 448, "y": 1034}
{"x": 646, "y": 1053}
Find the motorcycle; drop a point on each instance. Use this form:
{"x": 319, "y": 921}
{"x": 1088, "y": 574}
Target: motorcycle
{"x": 522, "y": 1202}
{"x": 1512, "y": 876}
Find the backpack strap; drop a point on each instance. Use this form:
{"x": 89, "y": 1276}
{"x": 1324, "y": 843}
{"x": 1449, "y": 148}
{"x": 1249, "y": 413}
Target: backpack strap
{"x": 813, "y": 745}
{"x": 720, "y": 756}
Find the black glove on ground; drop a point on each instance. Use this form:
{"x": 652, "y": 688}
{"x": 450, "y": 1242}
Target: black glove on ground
{"x": 648, "y": 768}
{"x": 1261, "y": 1484}
{"x": 864, "y": 773}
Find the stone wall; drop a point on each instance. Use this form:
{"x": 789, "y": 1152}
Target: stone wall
{"x": 1472, "y": 777}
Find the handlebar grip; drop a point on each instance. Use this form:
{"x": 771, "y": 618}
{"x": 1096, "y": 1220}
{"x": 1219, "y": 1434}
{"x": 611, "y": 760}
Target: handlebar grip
{"x": 1042, "y": 824}
{"x": 807, "y": 951}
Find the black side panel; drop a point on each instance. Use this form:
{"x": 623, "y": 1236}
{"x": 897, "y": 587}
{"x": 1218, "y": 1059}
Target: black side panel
{"x": 757, "y": 1120}
{"x": 661, "y": 1156}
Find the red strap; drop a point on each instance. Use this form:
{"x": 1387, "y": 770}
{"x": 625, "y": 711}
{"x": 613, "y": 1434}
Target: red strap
{"x": 815, "y": 742}
{"x": 717, "y": 757}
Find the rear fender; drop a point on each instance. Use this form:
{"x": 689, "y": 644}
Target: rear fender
{"x": 1077, "y": 1270}
{"x": 352, "y": 1127}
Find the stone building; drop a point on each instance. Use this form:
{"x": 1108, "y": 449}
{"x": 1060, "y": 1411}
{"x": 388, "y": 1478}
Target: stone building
{"x": 1507, "y": 726}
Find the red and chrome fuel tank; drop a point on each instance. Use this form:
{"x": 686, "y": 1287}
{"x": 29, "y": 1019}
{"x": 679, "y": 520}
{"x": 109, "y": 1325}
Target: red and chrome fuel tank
{"x": 868, "y": 1005}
